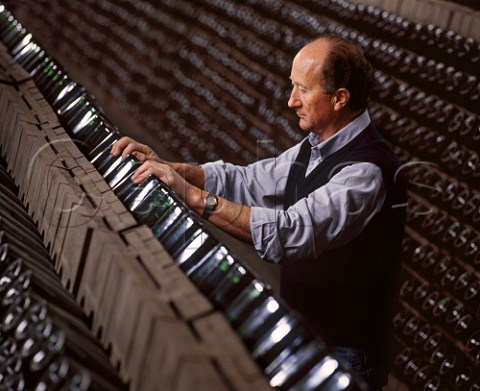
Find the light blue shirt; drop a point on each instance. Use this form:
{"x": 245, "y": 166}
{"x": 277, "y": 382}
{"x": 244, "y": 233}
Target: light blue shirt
{"x": 327, "y": 218}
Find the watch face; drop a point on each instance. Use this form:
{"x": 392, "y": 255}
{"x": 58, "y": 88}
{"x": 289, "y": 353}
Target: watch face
{"x": 211, "y": 201}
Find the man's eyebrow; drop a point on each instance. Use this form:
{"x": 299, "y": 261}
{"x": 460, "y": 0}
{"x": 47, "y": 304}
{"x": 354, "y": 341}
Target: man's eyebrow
{"x": 296, "y": 83}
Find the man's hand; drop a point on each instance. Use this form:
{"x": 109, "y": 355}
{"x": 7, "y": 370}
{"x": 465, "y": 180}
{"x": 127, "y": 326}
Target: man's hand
{"x": 187, "y": 181}
{"x": 164, "y": 172}
{"x": 128, "y": 146}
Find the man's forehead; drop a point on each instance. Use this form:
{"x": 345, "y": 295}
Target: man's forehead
{"x": 304, "y": 66}
{"x": 317, "y": 48}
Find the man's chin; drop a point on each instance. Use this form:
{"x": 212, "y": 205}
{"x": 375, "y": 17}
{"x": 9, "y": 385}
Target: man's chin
{"x": 304, "y": 126}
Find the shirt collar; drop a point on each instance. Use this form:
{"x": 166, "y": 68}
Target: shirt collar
{"x": 342, "y": 137}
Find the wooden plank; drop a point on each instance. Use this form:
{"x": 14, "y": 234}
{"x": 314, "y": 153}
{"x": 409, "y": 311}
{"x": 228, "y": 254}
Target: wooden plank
{"x": 230, "y": 353}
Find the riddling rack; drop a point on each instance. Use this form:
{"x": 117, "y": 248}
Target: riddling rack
{"x": 291, "y": 356}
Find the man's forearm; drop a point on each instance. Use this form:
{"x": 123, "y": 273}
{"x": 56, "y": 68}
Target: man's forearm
{"x": 231, "y": 217}
{"x": 192, "y": 173}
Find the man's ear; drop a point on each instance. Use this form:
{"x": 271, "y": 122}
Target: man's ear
{"x": 340, "y": 98}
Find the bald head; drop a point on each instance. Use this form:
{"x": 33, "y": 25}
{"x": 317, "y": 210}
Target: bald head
{"x": 311, "y": 58}
{"x": 339, "y": 63}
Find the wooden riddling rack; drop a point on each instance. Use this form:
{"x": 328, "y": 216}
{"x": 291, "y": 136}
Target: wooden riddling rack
{"x": 161, "y": 328}
{"x": 209, "y": 80}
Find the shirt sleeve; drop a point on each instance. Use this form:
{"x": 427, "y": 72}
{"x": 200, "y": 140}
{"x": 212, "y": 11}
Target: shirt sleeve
{"x": 259, "y": 184}
{"x": 329, "y": 217}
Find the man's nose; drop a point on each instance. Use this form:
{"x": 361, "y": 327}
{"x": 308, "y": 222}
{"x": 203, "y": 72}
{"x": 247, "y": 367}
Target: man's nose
{"x": 293, "y": 101}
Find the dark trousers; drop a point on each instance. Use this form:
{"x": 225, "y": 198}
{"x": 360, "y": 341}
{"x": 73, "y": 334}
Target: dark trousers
{"x": 364, "y": 364}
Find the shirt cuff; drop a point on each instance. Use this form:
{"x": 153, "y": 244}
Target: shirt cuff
{"x": 215, "y": 177}
{"x": 263, "y": 225}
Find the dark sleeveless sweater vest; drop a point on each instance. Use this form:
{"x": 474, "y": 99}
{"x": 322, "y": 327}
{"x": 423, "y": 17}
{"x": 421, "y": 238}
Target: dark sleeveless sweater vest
{"x": 348, "y": 293}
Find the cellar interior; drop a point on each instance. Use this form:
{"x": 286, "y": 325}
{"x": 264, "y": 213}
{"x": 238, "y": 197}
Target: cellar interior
{"x": 113, "y": 295}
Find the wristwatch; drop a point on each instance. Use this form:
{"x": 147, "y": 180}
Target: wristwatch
{"x": 209, "y": 204}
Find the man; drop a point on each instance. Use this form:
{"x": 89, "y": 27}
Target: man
{"x": 326, "y": 209}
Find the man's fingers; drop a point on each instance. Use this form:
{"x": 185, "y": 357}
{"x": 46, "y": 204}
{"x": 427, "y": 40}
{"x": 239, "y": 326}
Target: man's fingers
{"x": 161, "y": 171}
{"x": 141, "y": 157}
{"x": 120, "y": 145}
{"x": 141, "y": 174}
{"x": 133, "y": 148}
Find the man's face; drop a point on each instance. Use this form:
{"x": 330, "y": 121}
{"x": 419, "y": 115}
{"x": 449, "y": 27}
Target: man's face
{"x": 311, "y": 104}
